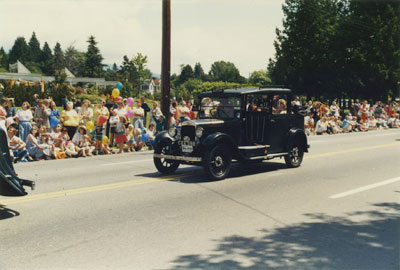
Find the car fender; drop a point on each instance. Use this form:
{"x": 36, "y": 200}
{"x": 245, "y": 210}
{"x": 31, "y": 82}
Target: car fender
{"x": 297, "y": 136}
{"x": 162, "y": 136}
{"x": 218, "y": 138}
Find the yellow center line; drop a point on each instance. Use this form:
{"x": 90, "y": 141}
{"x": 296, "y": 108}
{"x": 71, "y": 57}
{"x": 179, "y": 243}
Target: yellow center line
{"x": 136, "y": 182}
{"x": 352, "y": 150}
{"x": 69, "y": 192}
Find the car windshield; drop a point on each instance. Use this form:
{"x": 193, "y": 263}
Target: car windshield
{"x": 219, "y": 107}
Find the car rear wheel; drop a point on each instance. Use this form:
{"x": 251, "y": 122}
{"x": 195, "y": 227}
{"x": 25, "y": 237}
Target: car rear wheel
{"x": 295, "y": 156}
{"x": 217, "y": 162}
{"x": 165, "y": 166}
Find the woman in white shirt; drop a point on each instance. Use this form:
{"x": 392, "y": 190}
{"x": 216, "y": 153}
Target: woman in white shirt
{"x": 85, "y": 113}
{"x": 24, "y": 118}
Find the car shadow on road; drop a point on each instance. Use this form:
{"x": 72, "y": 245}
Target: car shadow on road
{"x": 326, "y": 242}
{"x": 190, "y": 175}
{"x": 6, "y": 213}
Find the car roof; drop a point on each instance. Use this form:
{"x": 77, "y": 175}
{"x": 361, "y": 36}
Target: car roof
{"x": 246, "y": 91}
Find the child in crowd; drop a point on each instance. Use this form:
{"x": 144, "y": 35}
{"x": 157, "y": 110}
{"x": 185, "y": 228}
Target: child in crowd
{"x": 130, "y": 137}
{"x": 120, "y": 136}
{"x": 114, "y": 119}
{"x": 86, "y": 147}
{"x": 138, "y": 139}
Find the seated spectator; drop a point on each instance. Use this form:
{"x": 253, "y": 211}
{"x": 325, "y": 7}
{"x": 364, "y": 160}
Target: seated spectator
{"x": 372, "y": 123}
{"x": 35, "y": 149}
{"x": 346, "y": 125}
{"x": 17, "y": 146}
{"x": 86, "y": 146}
{"x": 138, "y": 139}
{"x": 393, "y": 121}
{"x": 78, "y": 140}
{"x": 85, "y": 113}
{"x": 42, "y": 114}
{"x": 321, "y": 126}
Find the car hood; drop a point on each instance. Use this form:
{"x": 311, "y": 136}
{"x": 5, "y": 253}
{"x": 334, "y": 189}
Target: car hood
{"x": 203, "y": 122}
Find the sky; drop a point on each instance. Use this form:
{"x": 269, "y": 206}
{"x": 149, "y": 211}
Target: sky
{"x": 204, "y": 31}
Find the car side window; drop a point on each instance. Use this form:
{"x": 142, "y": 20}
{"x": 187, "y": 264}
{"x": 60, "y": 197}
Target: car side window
{"x": 279, "y": 104}
{"x": 258, "y": 103}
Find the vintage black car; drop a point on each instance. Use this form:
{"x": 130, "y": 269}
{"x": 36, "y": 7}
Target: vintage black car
{"x": 246, "y": 125}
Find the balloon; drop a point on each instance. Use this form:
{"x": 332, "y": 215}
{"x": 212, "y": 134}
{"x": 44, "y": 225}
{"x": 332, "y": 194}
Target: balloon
{"x": 130, "y": 101}
{"x": 89, "y": 125}
{"x": 115, "y": 93}
{"x": 118, "y": 99}
{"x": 53, "y": 122}
{"x": 119, "y": 86}
{"x": 130, "y": 114}
{"x": 145, "y": 137}
{"x": 105, "y": 140}
{"x": 102, "y": 120}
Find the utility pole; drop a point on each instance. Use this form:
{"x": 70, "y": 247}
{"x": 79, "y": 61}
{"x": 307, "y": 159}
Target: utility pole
{"x": 166, "y": 60}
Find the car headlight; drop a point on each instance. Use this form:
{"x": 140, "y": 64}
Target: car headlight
{"x": 172, "y": 132}
{"x": 199, "y": 132}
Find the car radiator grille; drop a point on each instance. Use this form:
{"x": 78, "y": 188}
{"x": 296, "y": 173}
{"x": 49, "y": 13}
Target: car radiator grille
{"x": 188, "y": 131}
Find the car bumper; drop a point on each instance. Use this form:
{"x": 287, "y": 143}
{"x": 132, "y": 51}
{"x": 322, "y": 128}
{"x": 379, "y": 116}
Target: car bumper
{"x": 182, "y": 158}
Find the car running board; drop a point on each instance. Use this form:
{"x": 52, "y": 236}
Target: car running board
{"x": 269, "y": 156}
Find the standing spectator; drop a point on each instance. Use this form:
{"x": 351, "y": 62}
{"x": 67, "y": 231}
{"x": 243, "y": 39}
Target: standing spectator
{"x": 191, "y": 114}
{"x": 86, "y": 113}
{"x": 35, "y": 102}
{"x": 11, "y": 109}
{"x": 130, "y": 137}
{"x": 120, "y": 136}
{"x": 101, "y": 110}
{"x": 174, "y": 113}
{"x": 146, "y": 109}
{"x": 99, "y": 131}
{"x": 138, "y": 117}
{"x": 24, "y": 118}
{"x": 70, "y": 119}
{"x": 41, "y": 114}
{"x": 54, "y": 113}
{"x": 160, "y": 122}
{"x": 183, "y": 112}
{"x": 335, "y": 110}
{"x": 110, "y": 104}
{"x": 120, "y": 110}
{"x": 3, "y": 113}
{"x": 154, "y": 112}
{"x": 78, "y": 106}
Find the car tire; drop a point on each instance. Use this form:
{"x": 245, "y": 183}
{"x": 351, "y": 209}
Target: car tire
{"x": 217, "y": 162}
{"x": 164, "y": 166}
{"x": 295, "y": 156}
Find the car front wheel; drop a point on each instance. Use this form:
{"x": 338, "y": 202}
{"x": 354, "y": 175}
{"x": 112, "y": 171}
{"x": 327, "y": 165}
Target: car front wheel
{"x": 295, "y": 156}
{"x": 217, "y": 162}
{"x": 165, "y": 166}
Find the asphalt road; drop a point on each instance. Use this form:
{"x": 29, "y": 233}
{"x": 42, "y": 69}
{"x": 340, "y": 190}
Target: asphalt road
{"x": 339, "y": 210}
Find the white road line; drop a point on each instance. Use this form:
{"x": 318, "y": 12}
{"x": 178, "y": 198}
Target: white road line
{"x": 361, "y": 189}
{"x": 125, "y": 162}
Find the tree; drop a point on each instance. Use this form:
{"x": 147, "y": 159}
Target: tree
{"x": 47, "y": 60}
{"x": 225, "y": 72}
{"x": 199, "y": 72}
{"x": 186, "y": 74}
{"x": 3, "y": 59}
{"x": 34, "y": 47}
{"x": 259, "y": 78}
{"x": 59, "y": 58}
{"x": 75, "y": 61}
{"x": 93, "y": 62}
{"x": 19, "y": 51}
{"x": 140, "y": 61}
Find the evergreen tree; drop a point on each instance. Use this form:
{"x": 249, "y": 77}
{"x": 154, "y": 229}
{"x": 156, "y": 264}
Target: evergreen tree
{"x": 19, "y": 51}
{"x": 186, "y": 73}
{"x": 93, "y": 65}
{"x": 34, "y": 47}
{"x": 3, "y": 59}
{"x": 59, "y": 58}
{"x": 199, "y": 72}
{"x": 47, "y": 60}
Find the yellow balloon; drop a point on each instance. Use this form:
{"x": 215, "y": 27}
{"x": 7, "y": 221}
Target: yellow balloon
{"x": 115, "y": 93}
{"x": 89, "y": 125}
{"x": 105, "y": 140}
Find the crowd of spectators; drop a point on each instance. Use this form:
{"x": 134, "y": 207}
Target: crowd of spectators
{"x": 41, "y": 132}
{"x": 322, "y": 118}
{"x": 119, "y": 125}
